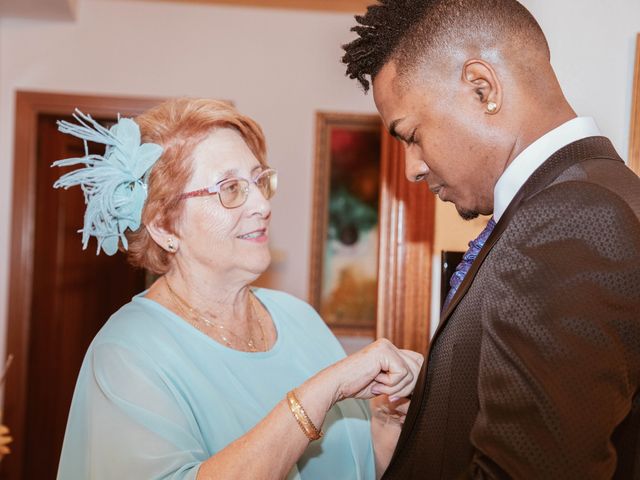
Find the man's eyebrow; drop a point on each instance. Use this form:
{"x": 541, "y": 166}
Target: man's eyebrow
{"x": 392, "y": 129}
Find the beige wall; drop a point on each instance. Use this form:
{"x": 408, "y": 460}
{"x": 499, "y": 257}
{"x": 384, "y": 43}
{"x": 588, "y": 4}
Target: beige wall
{"x": 278, "y": 66}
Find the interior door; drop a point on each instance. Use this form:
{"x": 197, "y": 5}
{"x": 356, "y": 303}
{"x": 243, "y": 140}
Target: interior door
{"x": 74, "y": 293}
{"x": 59, "y": 294}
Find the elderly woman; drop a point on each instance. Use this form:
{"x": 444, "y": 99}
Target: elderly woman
{"x": 202, "y": 376}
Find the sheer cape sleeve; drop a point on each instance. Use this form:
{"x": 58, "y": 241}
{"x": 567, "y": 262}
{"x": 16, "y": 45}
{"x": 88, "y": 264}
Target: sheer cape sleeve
{"x": 128, "y": 421}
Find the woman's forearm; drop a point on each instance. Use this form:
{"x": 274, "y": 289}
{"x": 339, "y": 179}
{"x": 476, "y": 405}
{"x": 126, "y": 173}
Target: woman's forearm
{"x": 274, "y": 445}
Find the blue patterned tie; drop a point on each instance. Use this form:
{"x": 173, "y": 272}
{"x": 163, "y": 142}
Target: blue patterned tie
{"x": 463, "y": 267}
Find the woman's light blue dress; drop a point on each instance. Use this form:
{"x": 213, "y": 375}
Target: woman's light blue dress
{"x": 155, "y": 397}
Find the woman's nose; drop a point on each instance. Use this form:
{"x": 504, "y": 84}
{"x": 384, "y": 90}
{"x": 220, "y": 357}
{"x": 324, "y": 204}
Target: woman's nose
{"x": 257, "y": 202}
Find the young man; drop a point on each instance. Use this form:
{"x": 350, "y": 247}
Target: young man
{"x": 534, "y": 371}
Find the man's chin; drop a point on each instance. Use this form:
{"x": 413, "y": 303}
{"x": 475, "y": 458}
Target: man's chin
{"x": 467, "y": 214}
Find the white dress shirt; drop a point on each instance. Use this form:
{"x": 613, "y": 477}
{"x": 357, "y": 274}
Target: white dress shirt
{"x": 523, "y": 166}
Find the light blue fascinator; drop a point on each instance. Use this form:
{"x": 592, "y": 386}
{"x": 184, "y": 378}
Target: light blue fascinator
{"x": 114, "y": 184}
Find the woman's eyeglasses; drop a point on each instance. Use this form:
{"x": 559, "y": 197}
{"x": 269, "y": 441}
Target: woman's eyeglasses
{"x": 233, "y": 192}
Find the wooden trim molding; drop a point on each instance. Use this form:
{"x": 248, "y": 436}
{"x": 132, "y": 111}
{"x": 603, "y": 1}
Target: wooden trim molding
{"x": 29, "y": 105}
{"x": 325, "y": 121}
{"x": 348, "y": 6}
{"x": 634, "y": 137}
{"x": 407, "y": 219}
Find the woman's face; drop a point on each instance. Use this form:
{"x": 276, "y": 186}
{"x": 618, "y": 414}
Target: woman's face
{"x": 231, "y": 243}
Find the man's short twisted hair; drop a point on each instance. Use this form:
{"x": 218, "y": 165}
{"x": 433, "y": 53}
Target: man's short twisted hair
{"x": 407, "y": 31}
{"x": 379, "y": 33}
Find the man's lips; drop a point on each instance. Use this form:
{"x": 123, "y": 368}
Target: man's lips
{"x": 437, "y": 190}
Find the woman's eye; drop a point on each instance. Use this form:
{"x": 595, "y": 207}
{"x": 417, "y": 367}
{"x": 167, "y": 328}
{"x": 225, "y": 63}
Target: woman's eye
{"x": 412, "y": 138}
{"x": 230, "y": 187}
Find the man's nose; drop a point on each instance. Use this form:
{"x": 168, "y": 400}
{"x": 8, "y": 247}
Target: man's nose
{"x": 415, "y": 169}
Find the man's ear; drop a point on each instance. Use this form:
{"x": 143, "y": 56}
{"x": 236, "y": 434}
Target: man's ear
{"x": 166, "y": 240}
{"x": 485, "y": 84}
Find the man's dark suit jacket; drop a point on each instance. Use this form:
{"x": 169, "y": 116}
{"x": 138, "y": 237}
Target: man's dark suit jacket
{"x": 534, "y": 370}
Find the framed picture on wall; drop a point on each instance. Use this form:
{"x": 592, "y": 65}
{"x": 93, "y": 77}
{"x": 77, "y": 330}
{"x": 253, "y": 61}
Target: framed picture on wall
{"x": 344, "y": 248}
{"x": 634, "y": 137}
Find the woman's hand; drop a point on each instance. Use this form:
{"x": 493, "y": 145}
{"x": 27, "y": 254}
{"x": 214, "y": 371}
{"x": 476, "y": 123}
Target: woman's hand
{"x": 379, "y": 369}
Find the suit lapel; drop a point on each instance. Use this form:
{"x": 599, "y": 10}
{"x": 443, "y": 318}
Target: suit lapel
{"x": 576, "y": 152}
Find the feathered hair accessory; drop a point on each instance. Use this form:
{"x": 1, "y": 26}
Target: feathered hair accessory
{"x": 114, "y": 184}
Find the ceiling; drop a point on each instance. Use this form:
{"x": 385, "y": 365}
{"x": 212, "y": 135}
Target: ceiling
{"x": 66, "y": 9}
{"x": 39, "y": 9}
{"x": 351, "y": 6}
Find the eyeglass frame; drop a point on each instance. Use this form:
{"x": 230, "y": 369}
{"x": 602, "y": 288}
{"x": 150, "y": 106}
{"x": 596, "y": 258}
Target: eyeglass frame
{"x": 215, "y": 189}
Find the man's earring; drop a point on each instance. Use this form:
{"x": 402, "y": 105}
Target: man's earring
{"x": 170, "y": 246}
{"x": 491, "y": 107}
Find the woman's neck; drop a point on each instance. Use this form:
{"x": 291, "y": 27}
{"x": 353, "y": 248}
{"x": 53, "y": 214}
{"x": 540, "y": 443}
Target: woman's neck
{"x": 225, "y": 300}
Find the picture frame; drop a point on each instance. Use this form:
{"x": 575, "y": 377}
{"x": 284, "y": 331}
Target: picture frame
{"x": 634, "y": 137}
{"x": 343, "y": 281}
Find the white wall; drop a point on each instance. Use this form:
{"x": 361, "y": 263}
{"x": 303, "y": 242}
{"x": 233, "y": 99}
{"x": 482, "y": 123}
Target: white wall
{"x": 279, "y": 67}
{"x": 592, "y": 48}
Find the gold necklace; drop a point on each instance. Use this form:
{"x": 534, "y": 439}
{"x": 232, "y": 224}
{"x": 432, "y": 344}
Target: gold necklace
{"x": 221, "y": 331}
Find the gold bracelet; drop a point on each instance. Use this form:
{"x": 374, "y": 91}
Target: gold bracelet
{"x": 302, "y": 418}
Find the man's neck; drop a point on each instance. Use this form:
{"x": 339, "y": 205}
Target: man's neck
{"x": 536, "y": 125}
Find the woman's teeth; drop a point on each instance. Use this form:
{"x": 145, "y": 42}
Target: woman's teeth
{"x": 252, "y": 235}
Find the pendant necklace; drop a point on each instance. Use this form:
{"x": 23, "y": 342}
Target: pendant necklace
{"x": 196, "y": 318}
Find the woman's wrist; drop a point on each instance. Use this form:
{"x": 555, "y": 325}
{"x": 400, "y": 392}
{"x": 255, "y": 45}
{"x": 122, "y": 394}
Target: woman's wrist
{"x": 322, "y": 389}
{"x": 316, "y": 396}
{"x": 300, "y": 414}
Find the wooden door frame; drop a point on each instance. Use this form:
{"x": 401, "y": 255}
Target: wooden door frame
{"x": 29, "y": 105}
{"x": 407, "y": 223}
{"x": 634, "y": 135}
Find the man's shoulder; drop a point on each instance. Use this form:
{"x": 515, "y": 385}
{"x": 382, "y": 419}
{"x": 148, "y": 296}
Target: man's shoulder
{"x": 578, "y": 202}
{"x": 571, "y": 219}
{"x": 598, "y": 182}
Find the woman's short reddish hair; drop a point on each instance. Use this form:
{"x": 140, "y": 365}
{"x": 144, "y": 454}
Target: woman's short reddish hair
{"x": 178, "y": 126}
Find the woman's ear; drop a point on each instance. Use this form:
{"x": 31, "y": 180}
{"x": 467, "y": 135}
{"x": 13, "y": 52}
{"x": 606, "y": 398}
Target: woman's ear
{"x": 166, "y": 240}
{"x": 484, "y": 84}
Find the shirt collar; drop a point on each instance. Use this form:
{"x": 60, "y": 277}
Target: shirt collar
{"x": 527, "y": 162}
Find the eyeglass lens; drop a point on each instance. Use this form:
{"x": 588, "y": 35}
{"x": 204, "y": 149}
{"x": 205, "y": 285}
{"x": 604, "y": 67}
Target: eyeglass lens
{"x": 233, "y": 193}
